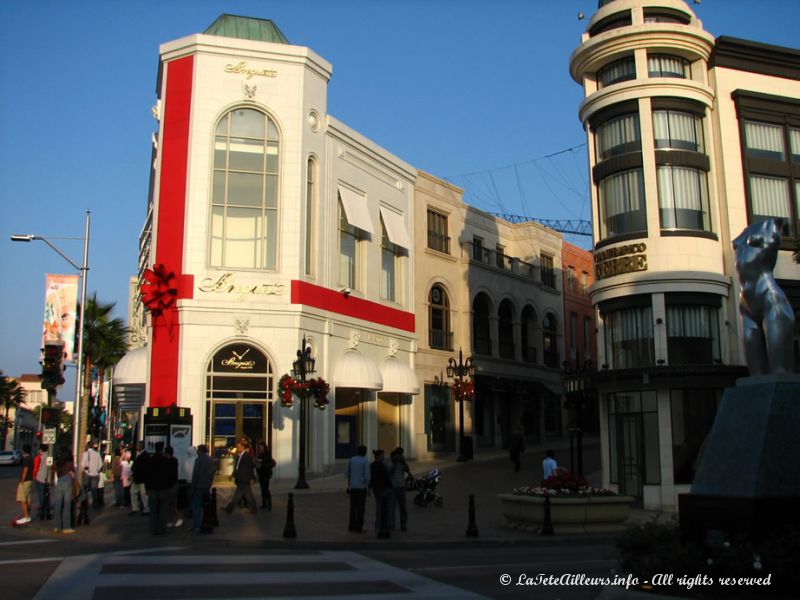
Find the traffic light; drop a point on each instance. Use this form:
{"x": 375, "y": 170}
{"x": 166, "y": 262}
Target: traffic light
{"x": 51, "y": 417}
{"x": 52, "y": 365}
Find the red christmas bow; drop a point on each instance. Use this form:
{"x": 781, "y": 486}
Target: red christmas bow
{"x": 159, "y": 292}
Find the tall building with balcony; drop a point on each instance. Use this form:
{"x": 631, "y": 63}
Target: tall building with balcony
{"x": 492, "y": 290}
{"x": 691, "y": 139}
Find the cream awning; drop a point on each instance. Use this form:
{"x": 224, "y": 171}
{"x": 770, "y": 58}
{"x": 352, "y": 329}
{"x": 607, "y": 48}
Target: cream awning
{"x": 396, "y": 228}
{"x": 354, "y": 370}
{"x": 355, "y": 208}
{"x": 398, "y": 377}
{"x": 132, "y": 369}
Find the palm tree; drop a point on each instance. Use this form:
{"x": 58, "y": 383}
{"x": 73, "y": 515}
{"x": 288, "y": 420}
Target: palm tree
{"x": 11, "y": 394}
{"x": 103, "y": 346}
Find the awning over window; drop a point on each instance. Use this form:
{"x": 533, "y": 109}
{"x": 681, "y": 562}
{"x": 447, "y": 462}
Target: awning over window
{"x": 398, "y": 377}
{"x": 354, "y": 370}
{"x": 132, "y": 369}
{"x": 396, "y": 228}
{"x": 355, "y": 208}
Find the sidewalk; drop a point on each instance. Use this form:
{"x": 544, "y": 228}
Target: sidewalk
{"x": 321, "y": 512}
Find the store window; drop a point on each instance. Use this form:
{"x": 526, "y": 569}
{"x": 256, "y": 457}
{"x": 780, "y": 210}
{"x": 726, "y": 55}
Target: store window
{"x": 548, "y": 270}
{"x": 244, "y": 196}
{"x": 629, "y": 333}
{"x": 678, "y": 130}
{"x": 390, "y": 254}
{"x": 617, "y": 136}
{"x": 348, "y": 251}
{"x": 622, "y": 205}
{"x": 683, "y": 198}
{"x": 634, "y": 457}
{"x": 661, "y": 65}
{"x": 439, "y": 335}
{"x": 438, "y": 237}
{"x": 550, "y": 341}
{"x": 618, "y": 71}
{"x": 770, "y": 132}
{"x": 693, "y": 329}
{"x": 692, "y": 412}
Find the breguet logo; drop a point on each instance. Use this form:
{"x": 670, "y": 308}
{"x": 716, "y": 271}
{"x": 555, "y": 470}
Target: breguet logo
{"x": 226, "y": 285}
{"x": 238, "y": 362}
{"x": 243, "y": 69}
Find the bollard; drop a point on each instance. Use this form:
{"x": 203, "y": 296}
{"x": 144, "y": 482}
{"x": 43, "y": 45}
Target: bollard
{"x": 289, "y": 531}
{"x": 214, "y": 518}
{"x": 472, "y": 528}
{"x": 207, "y": 524}
{"x": 45, "y": 513}
{"x": 547, "y": 525}
{"x": 383, "y": 530}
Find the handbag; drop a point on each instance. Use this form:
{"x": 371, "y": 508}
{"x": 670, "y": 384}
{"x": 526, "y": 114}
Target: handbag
{"x": 76, "y": 488}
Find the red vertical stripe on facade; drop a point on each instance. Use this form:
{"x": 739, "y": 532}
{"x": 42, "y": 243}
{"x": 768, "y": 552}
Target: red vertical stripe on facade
{"x": 327, "y": 299}
{"x": 169, "y": 235}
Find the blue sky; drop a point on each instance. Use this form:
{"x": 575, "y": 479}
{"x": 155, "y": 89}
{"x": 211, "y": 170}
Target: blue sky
{"x": 477, "y": 91}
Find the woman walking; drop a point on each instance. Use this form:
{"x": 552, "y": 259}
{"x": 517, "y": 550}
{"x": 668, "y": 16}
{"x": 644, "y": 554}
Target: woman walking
{"x": 65, "y": 491}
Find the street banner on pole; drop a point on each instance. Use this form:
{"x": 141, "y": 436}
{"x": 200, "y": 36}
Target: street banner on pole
{"x": 60, "y": 311}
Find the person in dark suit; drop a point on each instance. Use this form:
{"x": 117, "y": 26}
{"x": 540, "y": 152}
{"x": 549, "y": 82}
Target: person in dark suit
{"x": 244, "y": 474}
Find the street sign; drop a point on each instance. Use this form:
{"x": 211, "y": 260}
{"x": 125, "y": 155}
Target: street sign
{"x": 49, "y": 435}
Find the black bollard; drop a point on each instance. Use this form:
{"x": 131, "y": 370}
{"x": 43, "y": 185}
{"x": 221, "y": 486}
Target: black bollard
{"x": 289, "y": 531}
{"x": 214, "y": 518}
{"x": 383, "y": 529}
{"x": 207, "y": 526}
{"x": 547, "y": 525}
{"x": 45, "y": 513}
{"x": 472, "y": 527}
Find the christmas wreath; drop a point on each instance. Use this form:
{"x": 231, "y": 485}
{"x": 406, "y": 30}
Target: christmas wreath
{"x": 463, "y": 389}
{"x": 318, "y": 388}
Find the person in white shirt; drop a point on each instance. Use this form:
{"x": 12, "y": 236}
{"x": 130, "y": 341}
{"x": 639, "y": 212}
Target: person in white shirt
{"x": 91, "y": 465}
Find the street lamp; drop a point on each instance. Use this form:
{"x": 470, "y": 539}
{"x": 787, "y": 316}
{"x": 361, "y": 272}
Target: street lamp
{"x": 460, "y": 370}
{"x": 303, "y": 366}
{"x": 84, "y": 268}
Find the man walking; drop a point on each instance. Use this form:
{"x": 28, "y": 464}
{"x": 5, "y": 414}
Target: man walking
{"x": 202, "y": 479}
{"x": 91, "y": 465}
{"x": 139, "y": 501}
{"x": 25, "y": 485}
{"x": 158, "y": 480}
{"x": 358, "y": 474}
{"x": 244, "y": 475}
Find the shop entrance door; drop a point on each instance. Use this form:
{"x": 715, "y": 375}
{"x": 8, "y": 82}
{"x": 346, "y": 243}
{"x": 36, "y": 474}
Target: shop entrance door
{"x": 630, "y": 452}
{"x": 346, "y": 435}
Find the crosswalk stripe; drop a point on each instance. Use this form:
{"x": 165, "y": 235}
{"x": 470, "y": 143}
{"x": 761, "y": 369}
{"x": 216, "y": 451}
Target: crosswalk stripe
{"x": 322, "y": 574}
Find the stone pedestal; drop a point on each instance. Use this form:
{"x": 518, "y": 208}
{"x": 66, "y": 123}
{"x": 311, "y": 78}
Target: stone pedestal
{"x": 748, "y": 480}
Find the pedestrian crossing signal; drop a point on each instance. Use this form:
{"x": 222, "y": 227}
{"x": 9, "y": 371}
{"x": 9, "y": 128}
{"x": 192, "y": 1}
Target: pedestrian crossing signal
{"x": 53, "y": 365}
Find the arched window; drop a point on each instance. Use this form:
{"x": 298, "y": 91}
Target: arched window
{"x": 239, "y": 391}
{"x": 529, "y": 353}
{"x": 439, "y": 334}
{"x": 550, "y": 341}
{"x": 311, "y": 199}
{"x": 481, "y": 330}
{"x": 244, "y": 197}
{"x": 505, "y": 315}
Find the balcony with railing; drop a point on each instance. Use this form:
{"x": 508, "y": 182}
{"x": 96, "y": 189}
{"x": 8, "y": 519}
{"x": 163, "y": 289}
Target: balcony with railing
{"x": 501, "y": 262}
{"x": 440, "y": 340}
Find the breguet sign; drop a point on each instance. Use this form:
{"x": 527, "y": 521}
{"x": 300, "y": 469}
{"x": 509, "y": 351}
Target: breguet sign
{"x": 239, "y": 358}
{"x": 226, "y": 284}
{"x": 622, "y": 259}
{"x": 242, "y": 68}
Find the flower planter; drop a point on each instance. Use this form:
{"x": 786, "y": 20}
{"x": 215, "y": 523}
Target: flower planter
{"x": 590, "y": 514}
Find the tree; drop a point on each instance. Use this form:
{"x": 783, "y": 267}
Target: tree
{"x": 103, "y": 346}
{"x": 11, "y": 395}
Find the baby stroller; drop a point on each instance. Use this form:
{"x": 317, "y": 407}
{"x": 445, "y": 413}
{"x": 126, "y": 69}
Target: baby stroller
{"x": 425, "y": 487}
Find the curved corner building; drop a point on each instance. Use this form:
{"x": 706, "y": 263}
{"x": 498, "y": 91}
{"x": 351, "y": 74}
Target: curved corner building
{"x": 690, "y": 139}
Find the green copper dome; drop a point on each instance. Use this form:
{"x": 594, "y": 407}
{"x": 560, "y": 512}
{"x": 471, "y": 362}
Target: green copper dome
{"x": 247, "y": 28}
